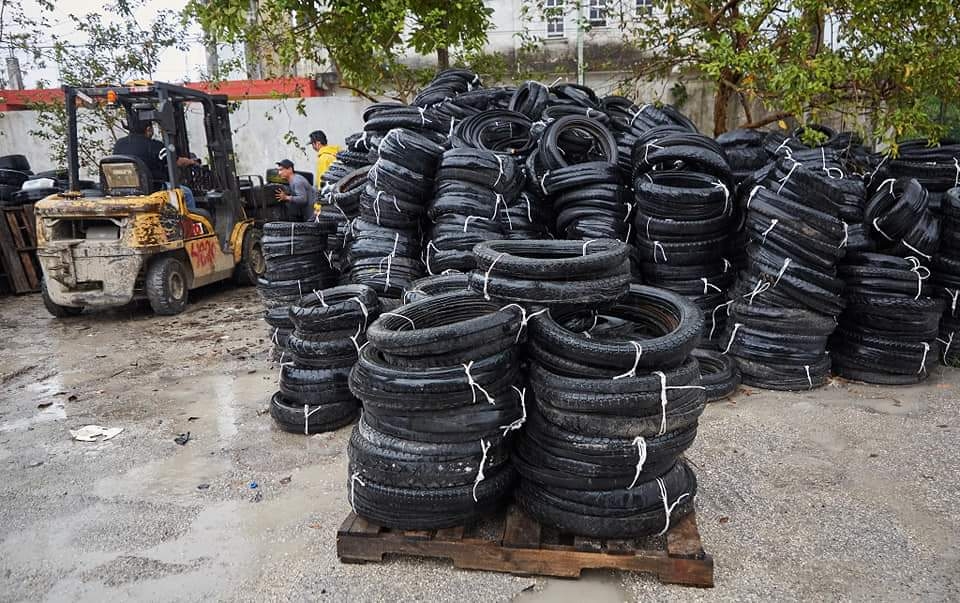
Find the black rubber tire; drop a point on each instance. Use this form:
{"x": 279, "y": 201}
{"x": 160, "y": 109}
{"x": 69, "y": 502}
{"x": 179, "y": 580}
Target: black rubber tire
{"x": 252, "y": 264}
{"x": 167, "y": 285}
{"x": 307, "y": 420}
{"x": 56, "y": 310}
{"x": 718, "y": 373}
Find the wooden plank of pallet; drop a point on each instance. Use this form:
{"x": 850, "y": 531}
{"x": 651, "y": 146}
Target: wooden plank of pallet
{"x": 11, "y": 260}
{"x": 22, "y": 234}
{"x": 581, "y": 543}
{"x": 520, "y": 530}
{"x": 620, "y": 547}
{"x": 671, "y": 566}
{"x": 450, "y": 533}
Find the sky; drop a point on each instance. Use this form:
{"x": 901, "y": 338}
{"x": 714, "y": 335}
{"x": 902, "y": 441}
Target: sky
{"x": 175, "y": 65}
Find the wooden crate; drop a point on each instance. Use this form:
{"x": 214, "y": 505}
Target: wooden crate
{"x": 522, "y": 546}
{"x": 18, "y": 249}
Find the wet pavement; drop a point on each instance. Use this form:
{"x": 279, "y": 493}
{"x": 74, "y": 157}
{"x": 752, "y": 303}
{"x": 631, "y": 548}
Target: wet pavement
{"x": 849, "y": 492}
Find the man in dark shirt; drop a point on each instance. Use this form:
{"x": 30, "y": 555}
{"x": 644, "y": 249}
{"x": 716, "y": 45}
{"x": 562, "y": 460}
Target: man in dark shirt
{"x": 141, "y": 143}
{"x": 301, "y": 197}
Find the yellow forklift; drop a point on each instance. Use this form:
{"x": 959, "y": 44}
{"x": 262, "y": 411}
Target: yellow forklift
{"x": 135, "y": 237}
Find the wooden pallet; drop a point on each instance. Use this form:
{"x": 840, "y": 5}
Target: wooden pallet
{"x": 18, "y": 249}
{"x": 525, "y": 547}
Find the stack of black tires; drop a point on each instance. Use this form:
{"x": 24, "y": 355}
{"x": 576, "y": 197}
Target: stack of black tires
{"x": 329, "y": 332}
{"x": 684, "y": 202}
{"x": 888, "y": 331}
{"x": 384, "y": 243}
{"x": 786, "y": 300}
{"x": 613, "y": 408}
{"x": 933, "y": 166}
{"x": 946, "y": 277}
{"x": 442, "y": 393}
{"x": 297, "y": 264}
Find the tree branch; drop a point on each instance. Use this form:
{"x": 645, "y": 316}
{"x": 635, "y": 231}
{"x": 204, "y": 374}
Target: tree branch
{"x": 767, "y": 120}
{"x": 360, "y": 92}
{"x": 716, "y": 16}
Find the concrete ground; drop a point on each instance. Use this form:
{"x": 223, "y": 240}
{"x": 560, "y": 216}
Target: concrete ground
{"x": 847, "y": 492}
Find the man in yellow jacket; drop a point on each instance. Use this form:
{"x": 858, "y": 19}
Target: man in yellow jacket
{"x": 326, "y": 153}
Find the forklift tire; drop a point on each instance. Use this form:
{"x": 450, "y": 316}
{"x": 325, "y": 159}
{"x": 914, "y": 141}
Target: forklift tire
{"x": 167, "y": 285}
{"x": 252, "y": 264}
{"x": 56, "y": 309}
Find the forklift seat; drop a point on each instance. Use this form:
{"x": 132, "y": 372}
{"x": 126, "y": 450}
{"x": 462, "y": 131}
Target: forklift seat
{"x": 124, "y": 176}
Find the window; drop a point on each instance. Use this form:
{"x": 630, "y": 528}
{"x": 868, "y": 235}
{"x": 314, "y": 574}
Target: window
{"x": 554, "y": 15}
{"x": 644, "y": 7}
{"x": 598, "y": 12}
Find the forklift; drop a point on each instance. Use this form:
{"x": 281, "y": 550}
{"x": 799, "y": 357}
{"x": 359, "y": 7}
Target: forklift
{"x": 134, "y": 237}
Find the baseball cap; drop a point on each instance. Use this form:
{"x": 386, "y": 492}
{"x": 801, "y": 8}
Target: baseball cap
{"x": 285, "y": 163}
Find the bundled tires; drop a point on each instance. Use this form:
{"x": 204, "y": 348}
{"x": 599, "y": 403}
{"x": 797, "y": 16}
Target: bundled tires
{"x": 946, "y": 278}
{"x": 613, "y": 409}
{"x": 329, "y": 332}
{"x": 298, "y": 262}
{"x": 785, "y": 302}
{"x": 442, "y": 393}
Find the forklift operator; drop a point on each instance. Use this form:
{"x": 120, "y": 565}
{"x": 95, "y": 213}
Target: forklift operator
{"x": 141, "y": 143}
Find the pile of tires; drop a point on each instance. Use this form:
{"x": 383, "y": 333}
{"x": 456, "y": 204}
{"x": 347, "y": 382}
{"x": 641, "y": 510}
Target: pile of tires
{"x": 575, "y": 165}
{"x": 933, "y": 166}
{"x": 744, "y": 151}
{"x": 612, "y": 412}
{"x": 629, "y": 122}
{"x": 946, "y": 277}
{"x": 683, "y": 214}
{"x": 383, "y": 247}
{"x": 329, "y": 332}
{"x": 785, "y": 302}
{"x": 544, "y": 273}
{"x": 888, "y": 331}
{"x": 296, "y": 264}
{"x": 899, "y": 220}
{"x": 442, "y": 394}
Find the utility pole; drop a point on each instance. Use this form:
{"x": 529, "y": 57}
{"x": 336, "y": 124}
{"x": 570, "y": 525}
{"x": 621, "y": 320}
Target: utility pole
{"x": 14, "y": 76}
{"x": 579, "y": 42}
{"x": 210, "y": 46}
{"x": 254, "y": 66}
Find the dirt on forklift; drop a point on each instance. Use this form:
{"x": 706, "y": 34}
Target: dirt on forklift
{"x": 135, "y": 237}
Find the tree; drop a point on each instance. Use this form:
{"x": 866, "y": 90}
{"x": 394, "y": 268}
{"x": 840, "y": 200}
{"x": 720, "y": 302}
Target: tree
{"x": 364, "y": 40}
{"x": 110, "y": 47}
{"x": 873, "y": 61}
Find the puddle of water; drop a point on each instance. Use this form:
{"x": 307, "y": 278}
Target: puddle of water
{"x": 596, "y": 587}
{"x": 56, "y": 412}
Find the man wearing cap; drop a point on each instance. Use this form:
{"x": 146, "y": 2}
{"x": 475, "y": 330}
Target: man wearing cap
{"x": 326, "y": 153}
{"x": 301, "y": 197}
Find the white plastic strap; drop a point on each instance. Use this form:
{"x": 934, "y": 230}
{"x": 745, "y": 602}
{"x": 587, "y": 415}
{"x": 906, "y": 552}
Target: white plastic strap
{"x": 274, "y": 338}
{"x": 783, "y": 270}
{"x": 626, "y": 217}
{"x": 355, "y": 479}
{"x": 636, "y": 360}
{"x": 726, "y": 196}
{"x": 923, "y": 361}
{"x": 306, "y": 417}
{"x": 524, "y": 318}
{"x": 753, "y": 193}
{"x": 786, "y": 178}
{"x": 406, "y": 318}
{"x": 733, "y": 335}
{"x": 363, "y": 308}
{"x": 522, "y": 394}
{"x": 291, "y": 237}
{"x": 486, "y": 276}
{"x": 846, "y": 235}
{"x": 760, "y": 288}
{"x": 397, "y": 132}
{"x": 663, "y": 398}
{"x": 355, "y": 338}
{"x": 376, "y": 207}
{"x": 953, "y": 293}
{"x": 506, "y": 211}
{"x": 429, "y": 246}
{"x": 484, "y": 447}
{"x": 726, "y": 265}
{"x": 423, "y": 118}
{"x": 641, "y": 445}
{"x": 496, "y": 206}
{"x": 329, "y": 256}
{"x": 876, "y": 227}
{"x": 526, "y": 198}
{"x": 668, "y": 508}
{"x": 773, "y": 223}
{"x": 585, "y": 245}
{"x": 646, "y": 150}
{"x": 707, "y": 284}
{"x": 543, "y": 183}
{"x": 282, "y": 366}
{"x": 877, "y": 169}
{"x": 299, "y": 289}
{"x": 638, "y": 112}
{"x": 823, "y": 156}
{"x": 956, "y": 178}
{"x": 922, "y": 272}
{"x": 785, "y": 142}
{"x": 713, "y": 317}
{"x": 656, "y": 246}
{"x": 500, "y": 173}
{"x": 809, "y": 379}
{"x": 450, "y": 133}
{"x": 319, "y": 295}
{"x": 947, "y": 344}
{"x": 474, "y": 386}
{"x": 466, "y": 221}
{"x": 915, "y": 250}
